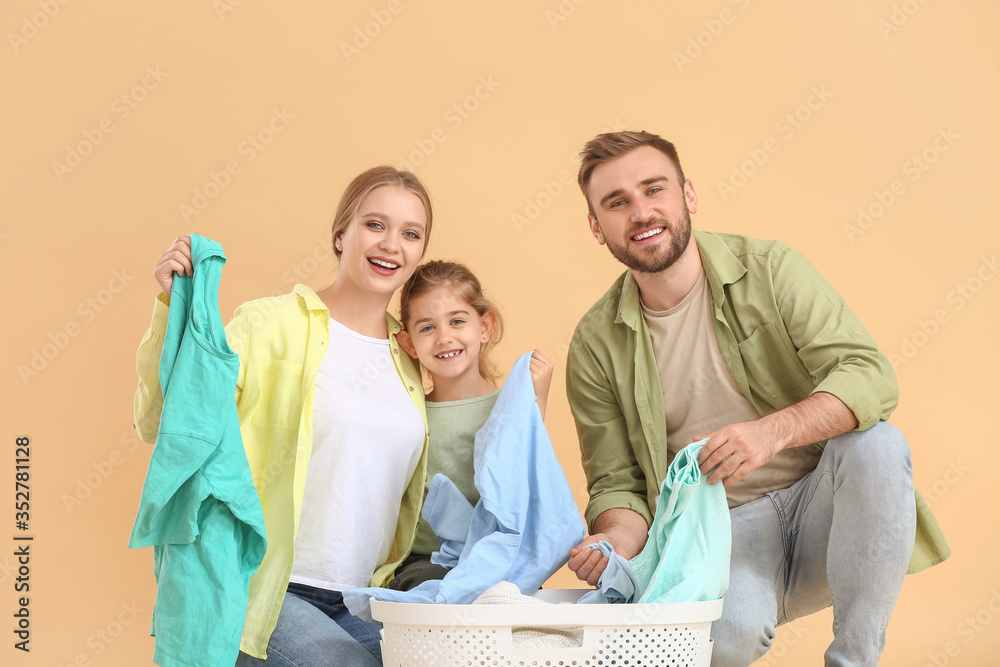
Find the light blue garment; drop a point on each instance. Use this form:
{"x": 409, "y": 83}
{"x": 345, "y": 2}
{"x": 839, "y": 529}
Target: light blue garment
{"x": 449, "y": 514}
{"x": 617, "y": 583}
{"x": 686, "y": 557}
{"x": 526, "y": 520}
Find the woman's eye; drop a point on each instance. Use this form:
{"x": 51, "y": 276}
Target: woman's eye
{"x": 373, "y": 224}
{"x": 413, "y": 235}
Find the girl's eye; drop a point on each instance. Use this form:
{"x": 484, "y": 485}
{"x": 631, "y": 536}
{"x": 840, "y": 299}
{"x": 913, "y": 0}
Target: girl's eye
{"x": 457, "y": 322}
{"x": 425, "y": 328}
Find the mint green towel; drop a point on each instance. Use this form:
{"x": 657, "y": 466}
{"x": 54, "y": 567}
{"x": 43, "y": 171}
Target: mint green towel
{"x": 686, "y": 557}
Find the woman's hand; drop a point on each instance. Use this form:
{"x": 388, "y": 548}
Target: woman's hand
{"x": 175, "y": 258}
{"x": 541, "y": 378}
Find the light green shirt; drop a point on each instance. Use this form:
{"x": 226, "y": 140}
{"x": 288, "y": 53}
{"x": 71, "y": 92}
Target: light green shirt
{"x": 784, "y": 333}
{"x": 453, "y": 426}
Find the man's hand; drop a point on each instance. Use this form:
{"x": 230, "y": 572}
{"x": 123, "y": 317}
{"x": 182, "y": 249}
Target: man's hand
{"x": 588, "y": 563}
{"x": 623, "y": 529}
{"x": 737, "y": 450}
{"x": 741, "y": 448}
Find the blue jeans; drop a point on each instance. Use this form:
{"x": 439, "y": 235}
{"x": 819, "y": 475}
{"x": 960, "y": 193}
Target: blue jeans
{"x": 314, "y": 628}
{"x": 841, "y": 535}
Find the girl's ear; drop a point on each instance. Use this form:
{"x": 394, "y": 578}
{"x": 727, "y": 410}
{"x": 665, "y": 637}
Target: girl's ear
{"x": 489, "y": 323}
{"x": 405, "y": 342}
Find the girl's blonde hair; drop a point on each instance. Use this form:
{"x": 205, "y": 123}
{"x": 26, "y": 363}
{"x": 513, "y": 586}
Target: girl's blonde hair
{"x": 362, "y": 186}
{"x": 438, "y": 273}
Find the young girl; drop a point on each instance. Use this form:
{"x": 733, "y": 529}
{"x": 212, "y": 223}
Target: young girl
{"x": 450, "y": 326}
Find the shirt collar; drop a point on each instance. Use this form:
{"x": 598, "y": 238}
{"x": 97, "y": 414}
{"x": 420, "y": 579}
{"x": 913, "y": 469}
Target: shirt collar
{"x": 313, "y": 302}
{"x": 721, "y": 267}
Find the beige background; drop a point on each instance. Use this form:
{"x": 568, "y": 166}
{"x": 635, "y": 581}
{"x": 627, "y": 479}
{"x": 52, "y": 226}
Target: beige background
{"x": 488, "y": 103}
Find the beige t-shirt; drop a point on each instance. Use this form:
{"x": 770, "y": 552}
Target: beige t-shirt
{"x": 700, "y": 395}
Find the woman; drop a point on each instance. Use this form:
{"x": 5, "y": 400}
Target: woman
{"x": 336, "y": 440}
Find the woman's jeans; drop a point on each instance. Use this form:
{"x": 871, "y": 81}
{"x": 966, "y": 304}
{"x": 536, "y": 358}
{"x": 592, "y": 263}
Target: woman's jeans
{"x": 314, "y": 628}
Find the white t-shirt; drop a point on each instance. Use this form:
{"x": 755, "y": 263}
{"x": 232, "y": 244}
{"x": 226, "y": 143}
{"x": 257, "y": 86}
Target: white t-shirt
{"x": 367, "y": 439}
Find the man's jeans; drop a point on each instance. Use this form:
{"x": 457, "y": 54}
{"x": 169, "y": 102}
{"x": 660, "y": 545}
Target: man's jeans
{"x": 841, "y": 535}
{"x": 314, "y": 628}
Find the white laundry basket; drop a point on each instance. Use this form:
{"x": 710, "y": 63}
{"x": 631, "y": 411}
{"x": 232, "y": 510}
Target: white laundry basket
{"x": 661, "y": 635}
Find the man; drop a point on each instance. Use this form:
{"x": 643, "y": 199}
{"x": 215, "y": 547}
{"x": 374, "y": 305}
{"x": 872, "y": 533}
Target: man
{"x": 742, "y": 341}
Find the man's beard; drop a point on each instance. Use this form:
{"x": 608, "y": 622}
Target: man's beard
{"x": 650, "y": 260}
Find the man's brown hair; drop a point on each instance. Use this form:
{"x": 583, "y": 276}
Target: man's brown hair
{"x": 613, "y": 145}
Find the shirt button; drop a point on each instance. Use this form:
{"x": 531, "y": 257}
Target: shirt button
{"x": 395, "y": 351}
{"x": 411, "y": 388}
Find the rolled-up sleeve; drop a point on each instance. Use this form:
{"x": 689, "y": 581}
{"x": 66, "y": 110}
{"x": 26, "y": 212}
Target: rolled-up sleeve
{"x": 614, "y": 477}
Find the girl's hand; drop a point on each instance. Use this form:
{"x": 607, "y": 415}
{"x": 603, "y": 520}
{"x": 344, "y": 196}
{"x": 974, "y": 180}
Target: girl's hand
{"x": 541, "y": 378}
{"x": 175, "y": 258}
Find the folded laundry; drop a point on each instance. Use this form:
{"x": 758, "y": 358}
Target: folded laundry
{"x": 506, "y": 593}
{"x": 526, "y": 520}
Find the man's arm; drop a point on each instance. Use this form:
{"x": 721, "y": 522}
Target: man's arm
{"x": 618, "y": 511}
{"x": 740, "y": 448}
{"x": 855, "y": 386}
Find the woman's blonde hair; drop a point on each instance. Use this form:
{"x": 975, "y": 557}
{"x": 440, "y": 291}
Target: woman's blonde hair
{"x": 458, "y": 277}
{"x": 362, "y": 186}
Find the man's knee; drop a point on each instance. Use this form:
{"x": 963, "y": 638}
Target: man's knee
{"x": 881, "y": 449}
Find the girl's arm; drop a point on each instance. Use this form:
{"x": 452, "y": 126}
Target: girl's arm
{"x": 541, "y": 378}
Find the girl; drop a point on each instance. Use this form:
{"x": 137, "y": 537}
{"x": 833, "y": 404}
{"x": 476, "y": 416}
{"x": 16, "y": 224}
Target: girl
{"x": 450, "y": 326}
{"x": 343, "y": 461}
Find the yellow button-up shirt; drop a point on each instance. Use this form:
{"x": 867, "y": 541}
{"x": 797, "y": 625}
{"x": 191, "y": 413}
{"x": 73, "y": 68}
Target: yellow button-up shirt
{"x": 281, "y": 341}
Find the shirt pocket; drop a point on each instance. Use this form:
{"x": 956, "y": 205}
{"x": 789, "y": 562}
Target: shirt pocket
{"x": 770, "y": 364}
{"x": 280, "y": 395}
